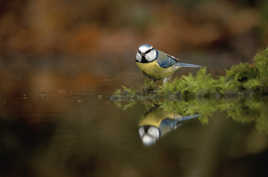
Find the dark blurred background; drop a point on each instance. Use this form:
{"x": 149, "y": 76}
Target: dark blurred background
{"x": 46, "y": 27}
{"x": 45, "y": 42}
{"x": 93, "y": 41}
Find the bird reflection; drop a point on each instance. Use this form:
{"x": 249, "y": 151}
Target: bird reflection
{"x": 157, "y": 122}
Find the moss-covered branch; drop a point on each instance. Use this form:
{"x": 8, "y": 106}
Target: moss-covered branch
{"x": 242, "y": 79}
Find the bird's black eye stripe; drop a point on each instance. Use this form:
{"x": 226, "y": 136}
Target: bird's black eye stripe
{"x": 149, "y": 50}
{"x": 146, "y": 51}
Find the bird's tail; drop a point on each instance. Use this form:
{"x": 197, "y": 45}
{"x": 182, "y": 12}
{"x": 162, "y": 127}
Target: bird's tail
{"x": 188, "y": 117}
{"x": 187, "y": 65}
{"x": 181, "y": 119}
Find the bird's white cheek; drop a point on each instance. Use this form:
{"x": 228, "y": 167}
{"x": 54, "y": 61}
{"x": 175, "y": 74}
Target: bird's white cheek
{"x": 153, "y": 132}
{"x": 141, "y": 131}
{"x": 151, "y": 55}
{"x": 138, "y": 56}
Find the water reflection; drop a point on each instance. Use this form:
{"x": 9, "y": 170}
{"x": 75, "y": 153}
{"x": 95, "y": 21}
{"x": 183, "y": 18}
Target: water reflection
{"x": 157, "y": 122}
{"x": 82, "y": 138}
{"x": 239, "y": 109}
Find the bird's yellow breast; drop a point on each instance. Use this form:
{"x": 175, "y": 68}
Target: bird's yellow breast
{"x": 154, "y": 70}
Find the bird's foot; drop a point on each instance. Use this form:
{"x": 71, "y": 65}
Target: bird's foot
{"x": 165, "y": 80}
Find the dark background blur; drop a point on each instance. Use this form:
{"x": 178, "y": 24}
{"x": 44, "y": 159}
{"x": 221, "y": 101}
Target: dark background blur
{"x": 44, "y": 42}
{"x": 100, "y": 37}
{"x": 45, "y": 27}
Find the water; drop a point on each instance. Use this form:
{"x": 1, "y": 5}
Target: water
{"x": 56, "y": 123}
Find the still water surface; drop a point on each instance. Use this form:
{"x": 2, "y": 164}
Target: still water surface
{"x": 70, "y": 132}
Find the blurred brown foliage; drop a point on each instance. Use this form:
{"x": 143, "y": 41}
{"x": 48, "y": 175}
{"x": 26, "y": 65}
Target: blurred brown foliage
{"x": 93, "y": 27}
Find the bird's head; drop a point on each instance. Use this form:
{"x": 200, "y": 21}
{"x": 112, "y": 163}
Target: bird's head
{"x": 149, "y": 135}
{"x": 146, "y": 54}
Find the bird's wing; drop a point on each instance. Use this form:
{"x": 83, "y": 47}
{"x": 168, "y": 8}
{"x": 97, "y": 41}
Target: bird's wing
{"x": 166, "y": 61}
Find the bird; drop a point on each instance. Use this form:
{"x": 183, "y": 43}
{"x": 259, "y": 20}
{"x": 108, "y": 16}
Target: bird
{"x": 157, "y": 122}
{"x": 157, "y": 64}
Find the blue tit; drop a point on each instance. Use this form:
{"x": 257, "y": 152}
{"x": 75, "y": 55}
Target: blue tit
{"x": 157, "y": 64}
{"x": 157, "y": 122}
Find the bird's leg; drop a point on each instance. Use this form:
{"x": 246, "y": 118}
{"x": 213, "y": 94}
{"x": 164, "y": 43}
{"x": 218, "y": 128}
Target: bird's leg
{"x": 165, "y": 80}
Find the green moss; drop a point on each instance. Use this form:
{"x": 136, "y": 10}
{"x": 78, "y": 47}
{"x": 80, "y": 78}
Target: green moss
{"x": 202, "y": 84}
{"x": 203, "y": 94}
{"x": 242, "y": 79}
{"x": 261, "y": 63}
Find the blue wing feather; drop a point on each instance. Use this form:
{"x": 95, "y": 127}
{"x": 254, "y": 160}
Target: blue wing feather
{"x": 167, "y": 62}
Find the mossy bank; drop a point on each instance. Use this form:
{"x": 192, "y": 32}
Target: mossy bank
{"x": 244, "y": 79}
